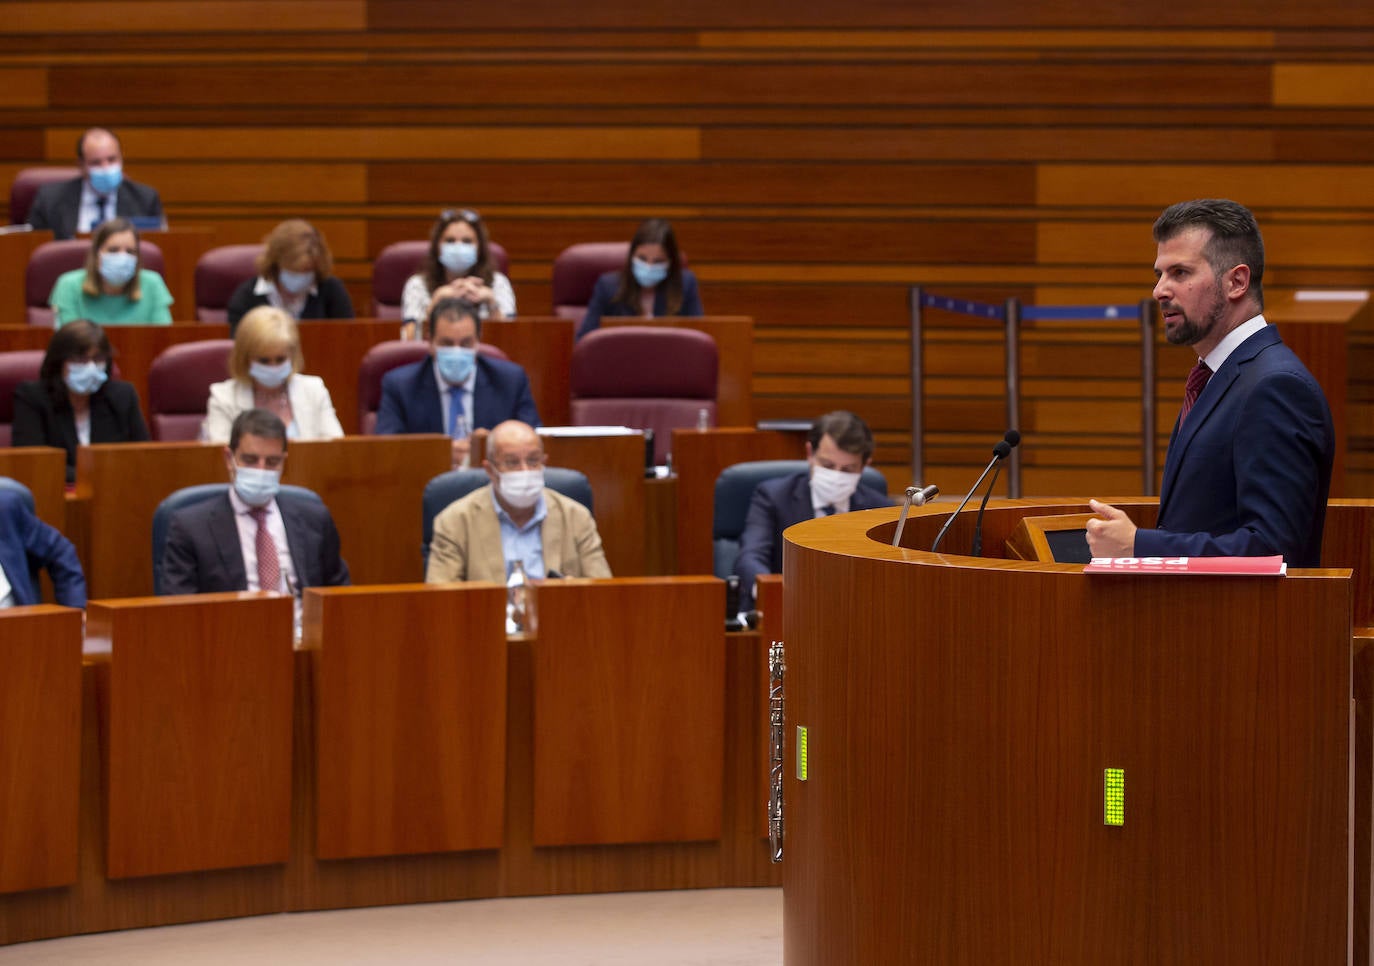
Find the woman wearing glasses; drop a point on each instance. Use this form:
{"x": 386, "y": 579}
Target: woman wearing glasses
{"x": 460, "y": 262}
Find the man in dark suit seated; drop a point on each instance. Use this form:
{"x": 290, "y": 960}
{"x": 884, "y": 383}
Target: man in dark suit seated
{"x": 1249, "y": 462}
{"x": 254, "y": 537}
{"x": 101, "y": 193}
{"x": 455, "y": 390}
{"x": 28, "y": 544}
{"x": 839, "y": 447}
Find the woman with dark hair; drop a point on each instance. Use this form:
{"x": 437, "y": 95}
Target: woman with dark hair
{"x": 113, "y": 288}
{"x": 74, "y": 402}
{"x": 652, "y": 284}
{"x": 459, "y": 261}
{"x": 296, "y": 275}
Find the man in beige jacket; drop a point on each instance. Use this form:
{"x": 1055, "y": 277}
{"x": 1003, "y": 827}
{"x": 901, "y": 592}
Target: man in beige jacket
{"x": 516, "y": 517}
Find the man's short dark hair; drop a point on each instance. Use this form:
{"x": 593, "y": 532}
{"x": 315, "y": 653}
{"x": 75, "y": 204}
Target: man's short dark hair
{"x": 455, "y": 308}
{"x": 1236, "y": 238}
{"x": 256, "y": 422}
{"x": 850, "y": 433}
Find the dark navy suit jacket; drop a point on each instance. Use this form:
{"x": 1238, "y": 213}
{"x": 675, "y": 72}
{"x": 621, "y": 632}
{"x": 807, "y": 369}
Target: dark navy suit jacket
{"x": 203, "y": 554}
{"x": 26, "y": 544}
{"x": 1249, "y": 471}
{"x": 410, "y": 398}
{"x": 775, "y": 506}
{"x": 56, "y": 206}
{"x": 603, "y": 301}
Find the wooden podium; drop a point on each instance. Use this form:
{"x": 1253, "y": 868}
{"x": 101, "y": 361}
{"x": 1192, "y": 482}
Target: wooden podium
{"x": 960, "y": 717}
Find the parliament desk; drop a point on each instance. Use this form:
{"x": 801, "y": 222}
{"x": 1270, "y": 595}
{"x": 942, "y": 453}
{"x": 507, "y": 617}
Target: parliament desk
{"x": 955, "y": 804}
{"x": 612, "y": 748}
{"x": 371, "y": 484}
{"x": 43, "y": 469}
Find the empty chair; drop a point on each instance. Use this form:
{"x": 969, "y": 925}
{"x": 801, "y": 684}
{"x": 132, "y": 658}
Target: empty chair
{"x": 576, "y": 270}
{"x": 456, "y": 484}
{"x": 734, "y": 491}
{"x": 25, "y": 187}
{"x": 51, "y": 259}
{"x": 218, "y": 272}
{"x": 188, "y": 496}
{"x": 15, "y": 367}
{"x": 381, "y": 359}
{"x": 179, "y": 383}
{"x": 645, "y": 378}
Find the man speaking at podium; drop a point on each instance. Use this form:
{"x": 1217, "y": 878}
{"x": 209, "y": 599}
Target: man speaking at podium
{"x": 1249, "y": 461}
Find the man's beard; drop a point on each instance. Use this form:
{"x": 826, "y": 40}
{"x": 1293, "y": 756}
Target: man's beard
{"x": 1189, "y": 332}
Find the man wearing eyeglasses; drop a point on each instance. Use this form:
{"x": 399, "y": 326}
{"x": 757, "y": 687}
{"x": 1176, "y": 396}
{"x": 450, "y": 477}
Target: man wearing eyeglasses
{"x": 455, "y": 390}
{"x": 515, "y": 517}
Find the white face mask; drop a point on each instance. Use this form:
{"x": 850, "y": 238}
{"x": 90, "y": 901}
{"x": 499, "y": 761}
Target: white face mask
{"x": 832, "y": 486}
{"x": 521, "y": 488}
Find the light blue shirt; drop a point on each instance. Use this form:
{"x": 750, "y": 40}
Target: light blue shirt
{"x": 465, "y": 426}
{"x": 525, "y": 543}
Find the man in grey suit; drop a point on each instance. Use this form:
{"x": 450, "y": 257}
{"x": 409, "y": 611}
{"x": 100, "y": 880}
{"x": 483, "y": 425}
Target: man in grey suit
{"x": 254, "y": 537}
{"x": 101, "y": 193}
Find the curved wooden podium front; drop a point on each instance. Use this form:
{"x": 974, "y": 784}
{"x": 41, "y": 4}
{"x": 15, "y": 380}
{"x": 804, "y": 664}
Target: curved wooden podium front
{"x": 960, "y": 714}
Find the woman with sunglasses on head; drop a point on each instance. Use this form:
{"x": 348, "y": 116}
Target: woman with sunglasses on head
{"x": 74, "y": 402}
{"x": 295, "y": 274}
{"x": 113, "y": 288}
{"x": 459, "y": 262}
{"x": 652, "y": 284}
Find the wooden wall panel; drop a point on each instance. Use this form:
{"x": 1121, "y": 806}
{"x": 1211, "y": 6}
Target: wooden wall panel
{"x": 170, "y": 16}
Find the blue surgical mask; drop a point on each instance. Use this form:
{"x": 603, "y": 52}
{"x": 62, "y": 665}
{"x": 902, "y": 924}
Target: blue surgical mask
{"x": 84, "y": 378}
{"x": 455, "y": 363}
{"x": 269, "y": 377}
{"x": 118, "y": 268}
{"x": 458, "y": 256}
{"x": 295, "y": 282}
{"x": 255, "y": 486}
{"x": 648, "y": 274}
{"x": 106, "y": 180}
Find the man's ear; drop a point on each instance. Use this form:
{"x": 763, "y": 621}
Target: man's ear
{"x": 1237, "y": 284}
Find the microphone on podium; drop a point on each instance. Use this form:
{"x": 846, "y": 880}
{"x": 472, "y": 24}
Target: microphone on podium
{"x": 915, "y": 496}
{"x": 999, "y": 452}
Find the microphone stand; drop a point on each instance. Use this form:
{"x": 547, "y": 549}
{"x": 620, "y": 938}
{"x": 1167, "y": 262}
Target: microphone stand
{"x": 999, "y": 452}
{"x": 915, "y": 496}
{"x": 978, "y": 523}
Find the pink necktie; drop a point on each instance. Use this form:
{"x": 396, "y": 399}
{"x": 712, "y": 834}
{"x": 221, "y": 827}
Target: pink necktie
{"x": 1196, "y": 380}
{"x": 269, "y": 567}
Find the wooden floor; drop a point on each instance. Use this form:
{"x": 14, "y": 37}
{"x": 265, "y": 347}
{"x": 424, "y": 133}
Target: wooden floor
{"x": 722, "y": 927}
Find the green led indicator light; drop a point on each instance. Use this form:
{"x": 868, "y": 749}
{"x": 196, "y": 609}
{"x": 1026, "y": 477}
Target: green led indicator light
{"x": 801, "y": 753}
{"x": 1114, "y": 796}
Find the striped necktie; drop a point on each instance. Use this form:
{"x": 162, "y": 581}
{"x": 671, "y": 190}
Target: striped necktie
{"x": 1196, "y": 380}
{"x": 269, "y": 567}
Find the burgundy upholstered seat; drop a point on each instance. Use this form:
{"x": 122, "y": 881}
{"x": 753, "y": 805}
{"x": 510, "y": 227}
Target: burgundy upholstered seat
{"x": 51, "y": 259}
{"x": 400, "y": 260}
{"x": 24, "y": 188}
{"x": 218, "y": 272}
{"x": 15, "y": 367}
{"x": 179, "y": 383}
{"x": 381, "y": 359}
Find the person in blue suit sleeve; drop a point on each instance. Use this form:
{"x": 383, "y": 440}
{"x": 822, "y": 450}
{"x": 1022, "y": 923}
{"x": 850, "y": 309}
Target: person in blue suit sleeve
{"x": 1249, "y": 463}
{"x": 28, "y": 544}
{"x": 455, "y": 390}
{"x": 838, "y": 448}
{"x": 652, "y": 284}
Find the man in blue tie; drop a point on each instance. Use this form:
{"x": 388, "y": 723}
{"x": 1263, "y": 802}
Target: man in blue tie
{"x": 455, "y": 390}
{"x": 840, "y": 445}
{"x": 101, "y": 193}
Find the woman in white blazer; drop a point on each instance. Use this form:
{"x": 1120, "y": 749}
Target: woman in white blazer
{"x": 265, "y": 373}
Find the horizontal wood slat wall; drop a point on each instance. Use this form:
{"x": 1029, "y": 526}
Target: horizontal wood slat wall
{"x": 815, "y": 160}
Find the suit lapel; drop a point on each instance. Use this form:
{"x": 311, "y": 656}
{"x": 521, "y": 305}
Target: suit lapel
{"x": 224, "y": 534}
{"x": 482, "y": 403}
{"x": 551, "y": 534}
{"x": 70, "y": 209}
{"x": 1207, "y": 402}
{"x": 430, "y": 413}
{"x": 297, "y": 532}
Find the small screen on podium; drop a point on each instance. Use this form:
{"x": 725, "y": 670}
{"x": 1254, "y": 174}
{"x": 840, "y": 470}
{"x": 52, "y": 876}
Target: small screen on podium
{"x": 1069, "y": 546}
